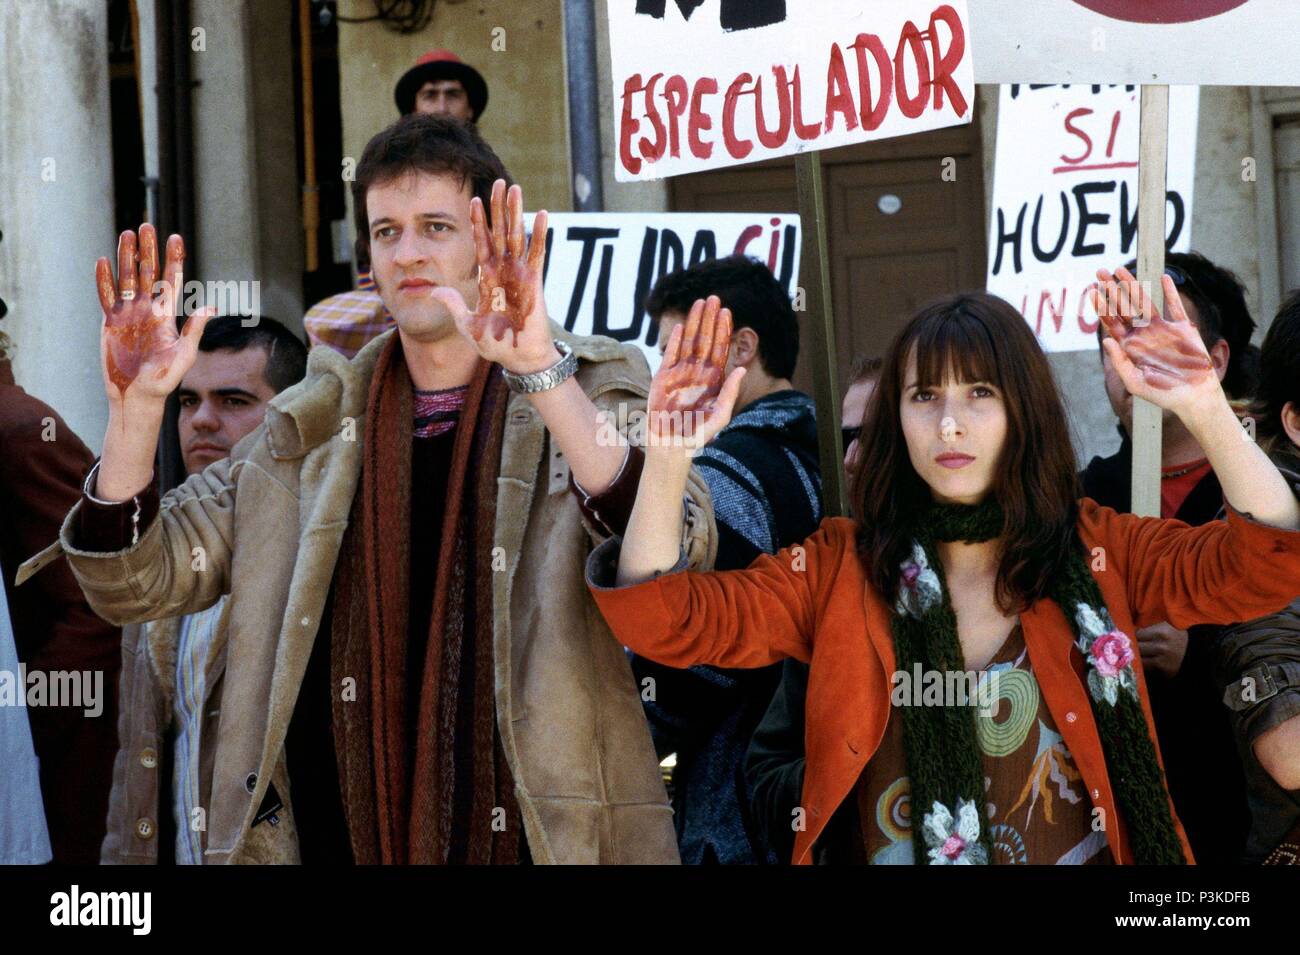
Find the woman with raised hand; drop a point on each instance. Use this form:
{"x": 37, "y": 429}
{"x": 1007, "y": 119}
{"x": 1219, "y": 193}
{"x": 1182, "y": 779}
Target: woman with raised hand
{"x": 975, "y": 695}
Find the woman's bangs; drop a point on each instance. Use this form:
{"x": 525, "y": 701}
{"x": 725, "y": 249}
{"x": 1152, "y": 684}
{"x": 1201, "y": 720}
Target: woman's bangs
{"x": 954, "y": 343}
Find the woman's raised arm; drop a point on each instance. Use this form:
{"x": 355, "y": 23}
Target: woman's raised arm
{"x": 1164, "y": 361}
{"x": 689, "y": 403}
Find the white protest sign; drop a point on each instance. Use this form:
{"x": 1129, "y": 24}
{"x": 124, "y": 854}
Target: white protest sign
{"x": 1065, "y": 199}
{"x": 700, "y": 84}
{"x": 1205, "y": 42}
{"x": 601, "y": 265}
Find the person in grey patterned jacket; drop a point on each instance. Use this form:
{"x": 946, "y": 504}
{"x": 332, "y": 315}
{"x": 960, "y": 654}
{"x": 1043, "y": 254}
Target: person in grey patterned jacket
{"x": 763, "y": 476}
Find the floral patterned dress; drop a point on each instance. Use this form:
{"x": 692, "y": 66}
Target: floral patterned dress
{"x": 1039, "y": 810}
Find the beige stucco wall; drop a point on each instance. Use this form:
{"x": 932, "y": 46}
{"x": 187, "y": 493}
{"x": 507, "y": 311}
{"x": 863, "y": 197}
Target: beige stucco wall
{"x": 526, "y": 120}
{"x": 1223, "y": 206}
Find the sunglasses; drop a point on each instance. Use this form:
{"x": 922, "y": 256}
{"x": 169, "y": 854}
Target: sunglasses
{"x": 849, "y": 435}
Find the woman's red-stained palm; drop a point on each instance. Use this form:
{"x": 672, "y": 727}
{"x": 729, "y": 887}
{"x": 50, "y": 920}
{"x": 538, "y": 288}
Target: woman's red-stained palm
{"x": 689, "y": 400}
{"x": 1160, "y": 359}
{"x": 142, "y": 353}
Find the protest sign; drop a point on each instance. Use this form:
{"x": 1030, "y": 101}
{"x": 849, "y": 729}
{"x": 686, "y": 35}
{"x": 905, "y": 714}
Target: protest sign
{"x": 700, "y": 84}
{"x": 1065, "y": 199}
{"x": 1203, "y": 42}
{"x": 601, "y": 265}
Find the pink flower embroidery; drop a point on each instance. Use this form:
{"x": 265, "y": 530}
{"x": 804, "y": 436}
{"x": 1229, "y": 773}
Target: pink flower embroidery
{"x": 954, "y": 841}
{"x": 953, "y": 846}
{"x": 1112, "y": 653}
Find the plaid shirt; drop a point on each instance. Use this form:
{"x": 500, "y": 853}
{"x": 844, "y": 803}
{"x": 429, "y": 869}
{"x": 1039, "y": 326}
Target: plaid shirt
{"x": 347, "y": 321}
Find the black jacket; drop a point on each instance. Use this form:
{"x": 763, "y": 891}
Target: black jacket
{"x": 774, "y": 764}
{"x": 1264, "y": 656}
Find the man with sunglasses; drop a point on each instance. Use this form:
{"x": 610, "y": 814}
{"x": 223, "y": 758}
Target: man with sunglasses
{"x": 764, "y": 477}
{"x": 1205, "y": 777}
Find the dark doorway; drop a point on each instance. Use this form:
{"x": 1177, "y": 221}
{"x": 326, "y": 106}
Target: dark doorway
{"x": 333, "y": 272}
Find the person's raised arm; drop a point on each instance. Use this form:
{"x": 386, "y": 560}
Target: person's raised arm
{"x": 510, "y": 327}
{"x": 1163, "y": 360}
{"x": 142, "y": 356}
{"x": 738, "y": 618}
{"x": 689, "y": 403}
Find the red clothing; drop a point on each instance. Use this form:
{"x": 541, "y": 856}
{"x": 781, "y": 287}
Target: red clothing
{"x": 813, "y": 602}
{"x": 55, "y": 629}
{"x": 1174, "y": 490}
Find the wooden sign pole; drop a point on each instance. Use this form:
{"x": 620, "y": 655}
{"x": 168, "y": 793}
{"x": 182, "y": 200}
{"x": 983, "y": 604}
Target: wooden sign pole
{"x": 818, "y": 333}
{"x": 1153, "y": 151}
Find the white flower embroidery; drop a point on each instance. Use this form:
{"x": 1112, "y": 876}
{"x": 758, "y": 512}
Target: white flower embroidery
{"x": 1091, "y": 626}
{"x": 954, "y": 843}
{"x": 918, "y": 589}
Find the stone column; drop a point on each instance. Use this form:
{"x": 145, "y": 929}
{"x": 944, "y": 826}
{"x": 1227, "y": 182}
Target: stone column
{"x": 56, "y": 201}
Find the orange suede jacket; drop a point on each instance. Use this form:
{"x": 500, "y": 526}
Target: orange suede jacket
{"x": 813, "y": 602}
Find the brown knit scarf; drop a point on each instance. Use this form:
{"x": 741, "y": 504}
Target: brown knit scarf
{"x": 423, "y": 784}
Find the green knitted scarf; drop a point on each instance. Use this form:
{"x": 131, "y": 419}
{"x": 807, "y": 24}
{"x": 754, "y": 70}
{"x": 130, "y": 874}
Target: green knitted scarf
{"x": 949, "y": 814}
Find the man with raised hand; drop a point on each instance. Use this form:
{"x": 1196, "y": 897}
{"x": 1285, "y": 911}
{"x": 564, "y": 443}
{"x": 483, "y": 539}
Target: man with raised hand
{"x": 170, "y": 702}
{"x": 414, "y": 653}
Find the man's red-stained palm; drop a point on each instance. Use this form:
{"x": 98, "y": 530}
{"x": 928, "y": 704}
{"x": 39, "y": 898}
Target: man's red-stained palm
{"x": 510, "y": 298}
{"x": 1160, "y": 359}
{"x": 689, "y": 400}
{"x": 142, "y": 353}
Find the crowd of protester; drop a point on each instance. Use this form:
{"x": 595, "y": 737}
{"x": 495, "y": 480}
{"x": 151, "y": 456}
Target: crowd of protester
{"x": 413, "y": 604}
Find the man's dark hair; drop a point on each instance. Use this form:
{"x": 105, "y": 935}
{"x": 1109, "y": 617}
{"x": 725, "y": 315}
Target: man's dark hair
{"x": 751, "y": 291}
{"x": 1220, "y": 300}
{"x": 430, "y": 144}
{"x": 286, "y": 355}
{"x": 1279, "y": 380}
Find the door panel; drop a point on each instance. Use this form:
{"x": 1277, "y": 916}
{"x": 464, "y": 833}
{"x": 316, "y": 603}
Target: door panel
{"x": 883, "y": 292}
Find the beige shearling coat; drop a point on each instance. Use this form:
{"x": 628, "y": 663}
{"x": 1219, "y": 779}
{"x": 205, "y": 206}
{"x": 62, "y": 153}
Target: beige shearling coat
{"x": 269, "y": 520}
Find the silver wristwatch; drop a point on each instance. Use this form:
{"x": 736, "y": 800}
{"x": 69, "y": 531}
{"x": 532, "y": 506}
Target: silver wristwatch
{"x": 552, "y": 377}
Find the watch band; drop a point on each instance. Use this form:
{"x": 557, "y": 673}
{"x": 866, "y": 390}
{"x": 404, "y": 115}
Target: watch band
{"x": 552, "y": 377}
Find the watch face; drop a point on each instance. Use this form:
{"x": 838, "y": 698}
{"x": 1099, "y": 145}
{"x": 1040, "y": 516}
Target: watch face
{"x": 1160, "y": 11}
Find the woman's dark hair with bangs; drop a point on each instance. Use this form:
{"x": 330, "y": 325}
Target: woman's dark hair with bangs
{"x": 979, "y": 337}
